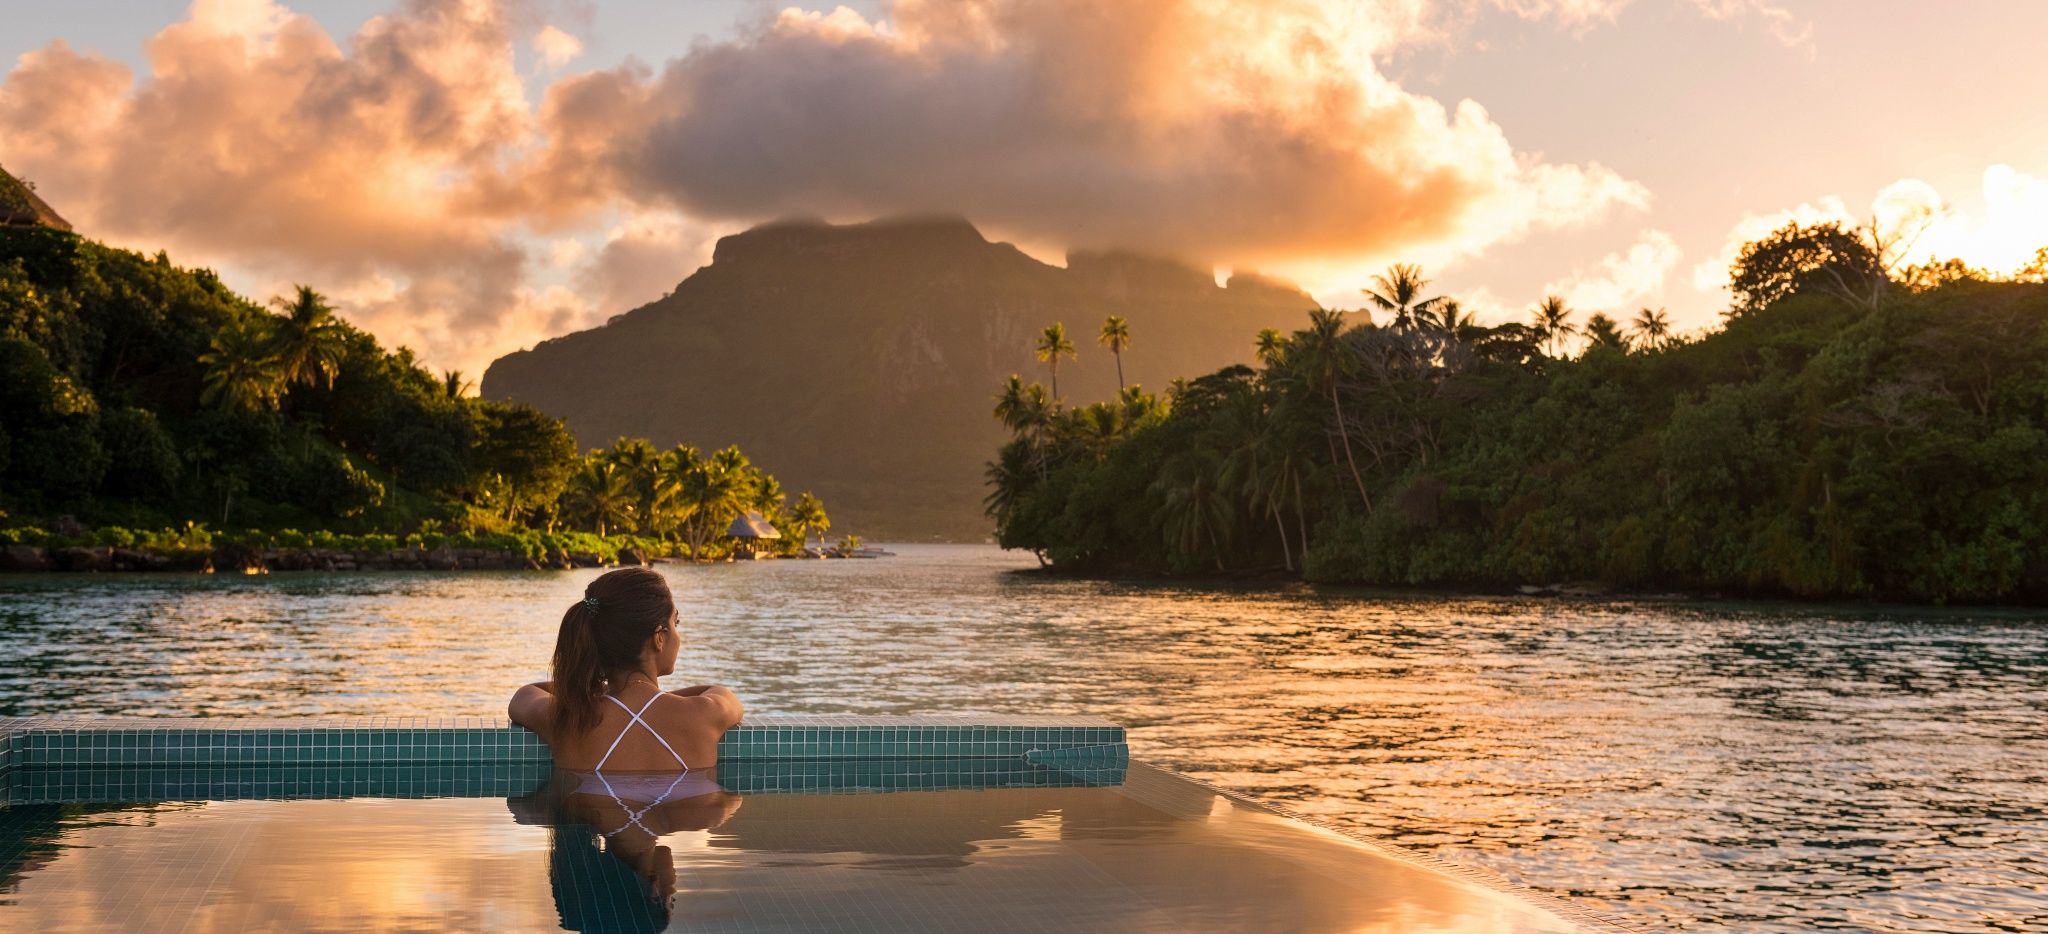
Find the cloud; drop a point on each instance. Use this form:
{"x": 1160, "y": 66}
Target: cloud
{"x": 644, "y": 258}
{"x": 2002, "y": 237}
{"x": 1781, "y": 23}
{"x": 555, "y": 47}
{"x": 1484, "y": 305}
{"x": 256, "y": 143}
{"x": 1621, "y": 280}
{"x": 1243, "y": 132}
{"x": 406, "y": 171}
{"x": 1581, "y": 15}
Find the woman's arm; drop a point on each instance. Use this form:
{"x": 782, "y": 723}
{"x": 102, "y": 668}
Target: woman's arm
{"x": 532, "y": 706}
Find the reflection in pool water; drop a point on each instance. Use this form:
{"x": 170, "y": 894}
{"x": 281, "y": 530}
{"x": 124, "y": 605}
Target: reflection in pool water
{"x": 607, "y": 862}
{"x": 1760, "y": 767}
{"x": 1158, "y": 853}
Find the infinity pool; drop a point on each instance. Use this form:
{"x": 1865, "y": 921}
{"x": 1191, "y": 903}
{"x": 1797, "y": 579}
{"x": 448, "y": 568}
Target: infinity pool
{"x": 1074, "y": 838}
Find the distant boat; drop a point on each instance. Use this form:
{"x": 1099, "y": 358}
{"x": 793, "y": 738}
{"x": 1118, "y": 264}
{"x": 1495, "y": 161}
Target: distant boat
{"x": 871, "y": 551}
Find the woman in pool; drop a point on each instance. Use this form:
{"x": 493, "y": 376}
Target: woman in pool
{"x": 604, "y": 712}
{"x": 633, "y": 762}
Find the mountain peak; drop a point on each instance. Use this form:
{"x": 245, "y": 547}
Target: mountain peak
{"x": 856, "y": 360}
{"x": 798, "y": 236}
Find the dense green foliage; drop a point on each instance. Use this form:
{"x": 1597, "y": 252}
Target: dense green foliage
{"x": 1888, "y": 444}
{"x": 137, "y": 394}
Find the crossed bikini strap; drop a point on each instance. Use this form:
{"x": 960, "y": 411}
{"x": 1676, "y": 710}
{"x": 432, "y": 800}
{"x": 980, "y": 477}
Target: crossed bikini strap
{"x": 635, "y": 714}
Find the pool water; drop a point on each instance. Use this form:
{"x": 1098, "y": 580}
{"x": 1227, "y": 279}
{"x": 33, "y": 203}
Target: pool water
{"x": 1155, "y": 852}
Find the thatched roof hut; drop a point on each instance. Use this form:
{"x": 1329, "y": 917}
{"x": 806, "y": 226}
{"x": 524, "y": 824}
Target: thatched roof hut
{"x": 21, "y": 207}
{"x": 752, "y": 526}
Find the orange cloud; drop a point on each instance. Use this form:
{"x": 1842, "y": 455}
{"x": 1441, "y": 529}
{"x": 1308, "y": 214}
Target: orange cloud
{"x": 257, "y": 143}
{"x": 1240, "y": 132}
{"x": 407, "y": 172}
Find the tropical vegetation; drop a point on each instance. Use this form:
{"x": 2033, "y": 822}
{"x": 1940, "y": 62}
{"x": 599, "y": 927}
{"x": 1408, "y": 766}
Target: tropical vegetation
{"x": 138, "y": 395}
{"x": 1850, "y": 429}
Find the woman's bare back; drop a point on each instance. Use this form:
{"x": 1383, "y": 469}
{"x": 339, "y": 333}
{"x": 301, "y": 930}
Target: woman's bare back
{"x": 689, "y": 723}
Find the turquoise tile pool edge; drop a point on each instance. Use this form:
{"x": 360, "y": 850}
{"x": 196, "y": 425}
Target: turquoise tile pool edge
{"x": 93, "y": 742}
{"x": 136, "y": 784}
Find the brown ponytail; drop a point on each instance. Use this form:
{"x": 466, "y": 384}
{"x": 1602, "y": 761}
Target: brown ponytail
{"x": 604, "y": 632}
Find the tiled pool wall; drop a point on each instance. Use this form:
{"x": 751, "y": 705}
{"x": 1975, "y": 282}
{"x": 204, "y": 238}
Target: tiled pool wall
{"x": 49, "y": 759}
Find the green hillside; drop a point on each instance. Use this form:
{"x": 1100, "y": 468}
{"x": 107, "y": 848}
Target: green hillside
{"x": 141, "y": 395}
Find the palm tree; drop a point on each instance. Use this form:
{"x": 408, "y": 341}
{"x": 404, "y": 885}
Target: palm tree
{"x": 1193, "y": 509}
{"x": 1651, "y": 327}
{"x": 1399, "y": 293}
{"x": 1008, "y": 477}
{"x": 1271, "y": 345}
{"x": 672, "y": 472}
{"x": 1116, "y": 335}
{"x": 242, "y": 373}
{"x": 1602, "y": 331}
{"x": 454, "y": 385}
{"x": 1553, "y": 322}
{"x": 1021, "y": 407}
{"x": 604, "y": 492}
{"x": 1097, "y": 427}
{"x": 1139, "y": 408}
{"x": 1263, "y": 470}
{"x": 767, "y": 496}
{"x": 310, "y": 340}
{"x": 640, "y": 463}
{"x": 1327, "y": 360}
{"x": 1053, "y": 344}
{"x": 712, "y": 492}
{"x": 1025, "y": 410}
{"x": 1451, "y": 320}
{"x": 730, "y": 460}
{"x": 806, "y": 514}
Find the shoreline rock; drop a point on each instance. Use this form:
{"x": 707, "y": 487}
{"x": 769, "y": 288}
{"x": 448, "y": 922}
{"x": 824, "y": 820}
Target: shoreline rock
{"x": 243, "y": 559}
{"x": 231, "y": 558}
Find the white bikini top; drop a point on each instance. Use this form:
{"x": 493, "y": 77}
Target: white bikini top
{"x": 642, "y": 786}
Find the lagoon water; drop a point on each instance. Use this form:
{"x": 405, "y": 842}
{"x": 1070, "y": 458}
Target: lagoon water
{"x": 1675, "y": 766}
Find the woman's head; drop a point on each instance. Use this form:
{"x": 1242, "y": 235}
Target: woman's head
{"x": 625, "y": 622}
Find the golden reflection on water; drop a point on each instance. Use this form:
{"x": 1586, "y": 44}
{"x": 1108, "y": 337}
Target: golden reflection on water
{"x": 1158, "y": 854}
{"x": 1672, "y": 764}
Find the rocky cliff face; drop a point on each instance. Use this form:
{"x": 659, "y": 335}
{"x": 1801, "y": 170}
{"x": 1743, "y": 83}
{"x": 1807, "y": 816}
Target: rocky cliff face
{"x": 860, "y": 362}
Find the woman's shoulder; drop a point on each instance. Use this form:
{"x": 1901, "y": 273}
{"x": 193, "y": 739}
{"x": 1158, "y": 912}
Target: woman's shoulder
{"x": 712, "y": 705}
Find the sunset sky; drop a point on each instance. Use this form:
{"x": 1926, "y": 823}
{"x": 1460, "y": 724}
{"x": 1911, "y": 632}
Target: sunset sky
{"x": 467, "y": 177}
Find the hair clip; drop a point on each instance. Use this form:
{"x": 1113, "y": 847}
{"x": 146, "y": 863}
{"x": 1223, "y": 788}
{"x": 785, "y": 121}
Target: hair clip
{"x": 590, "y": 602}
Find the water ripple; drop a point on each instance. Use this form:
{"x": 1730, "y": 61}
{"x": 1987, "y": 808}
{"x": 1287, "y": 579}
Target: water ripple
{"x": 1761, "y": 767}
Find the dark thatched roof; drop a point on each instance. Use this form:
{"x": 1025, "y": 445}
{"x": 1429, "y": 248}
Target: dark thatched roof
{"x": 20, "y": 206}
{"x": 752, "y": 525}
